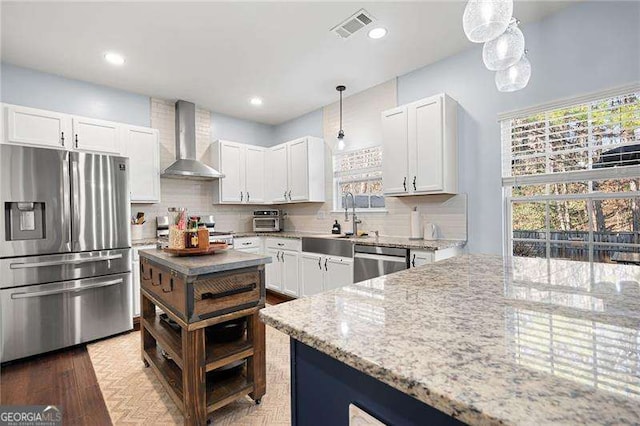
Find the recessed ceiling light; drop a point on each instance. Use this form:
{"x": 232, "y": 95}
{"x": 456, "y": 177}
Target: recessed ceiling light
{"x": 114, "y": 58}
{"x": 256, "y": 101}
{"x": 377, "y": 33}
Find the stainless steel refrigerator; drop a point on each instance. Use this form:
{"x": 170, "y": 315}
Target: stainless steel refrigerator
{"x": 65, "y": 249}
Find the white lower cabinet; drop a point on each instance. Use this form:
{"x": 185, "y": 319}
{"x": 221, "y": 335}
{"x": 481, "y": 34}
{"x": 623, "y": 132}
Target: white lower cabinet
{"x": 273, "y": 271}
{"x": 320, "y": 272}
{"x": 282, "y": 272}
{"x": 289, "y": 260}
{"x": 312, "y": 274}
{"x": 135, "y": 275}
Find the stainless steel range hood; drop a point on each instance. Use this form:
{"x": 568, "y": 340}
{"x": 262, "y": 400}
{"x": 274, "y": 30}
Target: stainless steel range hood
{"x": 186, "y": 166}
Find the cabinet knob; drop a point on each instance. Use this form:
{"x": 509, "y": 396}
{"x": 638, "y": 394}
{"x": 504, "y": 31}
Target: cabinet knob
{"x": 289, "y": 195}
{"x": 247, "y": 197}
{"x": 62, "y": 138}
{"x": 325, "y": 264}
{"x": 241, "y": 196}
{"x": 414, "y": 184}
{"x": 404, "y": 183}
{"x": 320, "y": 263}
{"x": 413, "y": 261}
{"x": 76, "y": 140}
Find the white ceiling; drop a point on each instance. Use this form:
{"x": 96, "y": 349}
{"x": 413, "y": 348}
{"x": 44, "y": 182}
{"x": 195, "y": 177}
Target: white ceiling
{"x": 219, "y": 55}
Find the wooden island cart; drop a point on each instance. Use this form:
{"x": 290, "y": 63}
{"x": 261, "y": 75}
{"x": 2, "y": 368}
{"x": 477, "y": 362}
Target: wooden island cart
{"x": 201, "y": 296}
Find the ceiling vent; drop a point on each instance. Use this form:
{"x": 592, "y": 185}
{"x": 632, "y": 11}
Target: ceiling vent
{"x": 354, "y": 23}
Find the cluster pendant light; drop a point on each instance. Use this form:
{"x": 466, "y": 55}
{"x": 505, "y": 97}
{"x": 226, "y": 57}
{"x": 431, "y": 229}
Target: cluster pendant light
{"x": 340, "y": 138}
{"x": 491, "y": 22}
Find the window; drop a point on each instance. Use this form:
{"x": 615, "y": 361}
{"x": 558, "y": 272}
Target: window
{"x": 571, "y": 179}
{"x": 359, "y": 172}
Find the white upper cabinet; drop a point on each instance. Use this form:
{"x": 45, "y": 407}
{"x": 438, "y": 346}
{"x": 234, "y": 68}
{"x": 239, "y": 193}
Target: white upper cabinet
{"x": 37, "y": 127}
{"x": 395, "y": 161}
{"x": 255, "y": 174}
{"x": 94, "y": 135}
{"x": 278, "y": 164}
{"x": 243, "y": 167}
{"x": 143, "y": 149}
{"x": 297, "y": 171}
{"x": 421, "y": 147}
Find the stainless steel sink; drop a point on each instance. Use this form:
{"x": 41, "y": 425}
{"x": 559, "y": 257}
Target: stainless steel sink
{"x": 338, "y": 245}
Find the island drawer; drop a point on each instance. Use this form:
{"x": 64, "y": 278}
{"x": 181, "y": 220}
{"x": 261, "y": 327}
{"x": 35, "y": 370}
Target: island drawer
{"x": 164, "y": 285}
{"x": 222, "y": 293}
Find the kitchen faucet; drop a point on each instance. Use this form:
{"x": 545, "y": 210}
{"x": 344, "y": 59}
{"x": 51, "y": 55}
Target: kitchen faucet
{"x": 356, "y": 221}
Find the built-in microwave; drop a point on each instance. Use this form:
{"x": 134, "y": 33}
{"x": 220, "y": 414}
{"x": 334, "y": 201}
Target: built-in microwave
{"x": 267, "y": 221}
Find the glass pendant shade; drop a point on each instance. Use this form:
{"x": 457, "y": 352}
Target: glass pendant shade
{"x": 484, "y": 20}
{"x": 515, "y": 77}
{"x": 340, "y": 144}
{"x": 504, "y": 50}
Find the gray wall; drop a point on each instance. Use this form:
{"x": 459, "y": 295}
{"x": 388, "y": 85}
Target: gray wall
{"x": 27, "y": 87}
{"x": 238, "y": 130}
{"x": 584, "y": 48}
{"x": 309, "y": 124}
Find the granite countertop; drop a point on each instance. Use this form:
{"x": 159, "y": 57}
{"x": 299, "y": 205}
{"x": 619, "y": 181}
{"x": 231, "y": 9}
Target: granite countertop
{"x": 489, "y": 340}
{"x": 382, "y": 241}
{"x": 199, "y": 265}
{"x": 144, "y": 242}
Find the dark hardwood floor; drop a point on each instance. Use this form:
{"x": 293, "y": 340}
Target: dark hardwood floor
{"x": 66, "y": 379}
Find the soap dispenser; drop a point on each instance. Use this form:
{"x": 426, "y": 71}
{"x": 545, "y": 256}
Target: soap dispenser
{"x": 336, "y": 228}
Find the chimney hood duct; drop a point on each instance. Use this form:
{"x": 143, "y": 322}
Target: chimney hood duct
{"x": 186, "y": 166}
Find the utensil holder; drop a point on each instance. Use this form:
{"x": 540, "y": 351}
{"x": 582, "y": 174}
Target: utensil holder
{"x": 136, "y": 232}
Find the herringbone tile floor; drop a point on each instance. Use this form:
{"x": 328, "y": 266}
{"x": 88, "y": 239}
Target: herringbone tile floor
{"x": 134, "y": 396}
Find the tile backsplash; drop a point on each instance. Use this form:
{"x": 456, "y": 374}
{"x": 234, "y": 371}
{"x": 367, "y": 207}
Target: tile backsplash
{"x": 448, "y": 212}
{"x": 196, "y": 196}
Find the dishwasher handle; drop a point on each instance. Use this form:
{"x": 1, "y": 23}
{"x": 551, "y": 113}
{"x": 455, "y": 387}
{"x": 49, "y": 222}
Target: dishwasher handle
{"x": 397, "y": 259}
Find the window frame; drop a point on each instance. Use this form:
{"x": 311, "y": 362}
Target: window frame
{"x": 589, "y": 175}
{"x": 337, "y": 194}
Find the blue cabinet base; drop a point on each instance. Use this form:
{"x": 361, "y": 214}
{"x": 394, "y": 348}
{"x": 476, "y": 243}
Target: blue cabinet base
{"x": 322, "y": 389}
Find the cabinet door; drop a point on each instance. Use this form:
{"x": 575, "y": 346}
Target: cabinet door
{"x": 255, "y": 174}
{"x": 273, "y": 271}
{"x": 143, "y": 151}
{"x": 37, "y": 127}
{"x": 339, "y": 272}
{"x": 96, "y": 136}
{"x": 290, "y": 275}
{"x": 425, "y": 145}
{"x": 278, "y": 165}
{"x": 395, "y": 147}
{"x": 232, "y": 165}
{"x": 311, "y": 274}
{"x": 299, "y": 170}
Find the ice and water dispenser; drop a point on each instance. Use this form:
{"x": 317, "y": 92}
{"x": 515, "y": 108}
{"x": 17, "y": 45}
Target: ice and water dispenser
{"x": 24, "y": 220}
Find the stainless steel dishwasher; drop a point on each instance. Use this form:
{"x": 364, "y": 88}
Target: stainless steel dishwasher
{"x": 371, "y": 261}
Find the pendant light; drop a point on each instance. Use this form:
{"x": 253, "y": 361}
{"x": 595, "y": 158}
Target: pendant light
{"x": 504, "y": 50}
{"x": 484, "y": 20}
{"x": 515, "y": 77}
{"x": 340, "y": 137}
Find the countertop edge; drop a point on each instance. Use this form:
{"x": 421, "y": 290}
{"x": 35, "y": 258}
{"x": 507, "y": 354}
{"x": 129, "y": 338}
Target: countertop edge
{"x": 207, "y": 269}
{"x": 461, "y": 411}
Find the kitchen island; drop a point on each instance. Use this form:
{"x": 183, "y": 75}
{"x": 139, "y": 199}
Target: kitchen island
{"x": 208, "y": 346}
{"x": 476, "y": 339}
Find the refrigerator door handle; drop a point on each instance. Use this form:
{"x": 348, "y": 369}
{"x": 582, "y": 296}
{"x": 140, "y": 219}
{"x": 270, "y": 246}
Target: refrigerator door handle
{"x": 76, "y": 289}
{"x": 75, "y": 202}
{"x": 64, "y": 262}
